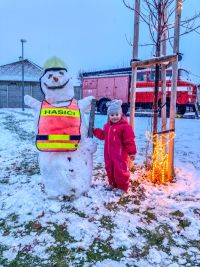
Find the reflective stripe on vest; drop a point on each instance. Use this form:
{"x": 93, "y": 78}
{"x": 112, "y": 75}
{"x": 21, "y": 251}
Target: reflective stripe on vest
{"x": 59, "y": 112}
{"x": 59, "y": 128}
{"x": 56, "y": 146}
{"x": 58, "y": 137}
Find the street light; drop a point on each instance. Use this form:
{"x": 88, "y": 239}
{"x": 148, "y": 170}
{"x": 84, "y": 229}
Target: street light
{"x": 22, "y": 41}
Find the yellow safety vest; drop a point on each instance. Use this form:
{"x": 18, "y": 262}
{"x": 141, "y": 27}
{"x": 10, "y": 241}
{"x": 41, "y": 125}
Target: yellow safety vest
{"x": 59, "y": 127}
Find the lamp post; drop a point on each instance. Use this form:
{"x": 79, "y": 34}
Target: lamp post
{"x": 22, "y": 41}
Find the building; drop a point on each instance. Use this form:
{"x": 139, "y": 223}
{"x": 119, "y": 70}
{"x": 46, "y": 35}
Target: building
{"x": 11, "y": 83}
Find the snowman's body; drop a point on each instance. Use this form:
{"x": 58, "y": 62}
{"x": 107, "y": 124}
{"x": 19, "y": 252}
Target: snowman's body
{"x": 64, "y": 173}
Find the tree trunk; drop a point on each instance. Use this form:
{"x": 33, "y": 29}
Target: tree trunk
{"x": 157, "y": 70}
{"x": 163, "y": 80}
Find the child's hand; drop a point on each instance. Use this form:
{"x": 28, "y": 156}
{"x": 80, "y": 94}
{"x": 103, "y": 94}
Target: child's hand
{"x": 132, "y": 157}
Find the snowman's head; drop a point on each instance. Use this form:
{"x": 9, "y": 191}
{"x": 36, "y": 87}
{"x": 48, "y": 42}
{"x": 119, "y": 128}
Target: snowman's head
{"x": 56, "y": 84}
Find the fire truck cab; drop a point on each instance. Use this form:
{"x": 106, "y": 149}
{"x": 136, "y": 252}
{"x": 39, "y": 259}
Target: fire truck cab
{"x": 115, "y": 84}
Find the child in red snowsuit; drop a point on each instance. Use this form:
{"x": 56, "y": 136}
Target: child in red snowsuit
{"x": 119, "y": 146}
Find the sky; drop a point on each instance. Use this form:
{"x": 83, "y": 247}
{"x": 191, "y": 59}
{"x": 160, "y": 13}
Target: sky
{"x": 88, "y": 35}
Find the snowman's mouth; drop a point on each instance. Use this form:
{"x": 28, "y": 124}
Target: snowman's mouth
{"x": 58, "y": 86}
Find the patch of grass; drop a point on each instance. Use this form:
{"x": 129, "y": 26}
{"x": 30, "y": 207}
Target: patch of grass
{"x": 194, "y": 243}
{"x": 100, "y": 251}
{"x": 7, "y": 224}
{"x": 24, "y": 260}
{"x": 61, "y": 256}
{"x": 33, "y": 226}
{"x": 106, "y": 222}
{"x": 2, "y": 223}
{"x": 150, "y": 216}
{"x": 77, "y": 212}
{"x": 111, "y": 206}
{"x": 184, "y": 223}
{"x": 177, "y": 213}
{"x": 11, "y": 125}
{"x": 58, "y": 256}
{"x": 156, "y": 238}
{"x": 134, "y": 211}
{"x": 4, "y": 226}
{"x": 13, "y": 217}
{"x": 5, "y": 180}
{"x": 125, "y": 200}
{"x": 26, "y": 163}
{"x": 29, "y": 165}
{"x": 2, "y": 249}
{"x": 135, "y": 184}
{"x": 61, "y": 234}
{"x": 136, "y": 202}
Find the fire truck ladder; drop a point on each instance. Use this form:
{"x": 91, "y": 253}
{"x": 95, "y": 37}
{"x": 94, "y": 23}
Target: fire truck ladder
{"x": 197, "y": 112}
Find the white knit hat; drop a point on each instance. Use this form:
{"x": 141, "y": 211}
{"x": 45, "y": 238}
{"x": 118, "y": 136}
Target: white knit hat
{"x": 114, "y": 106}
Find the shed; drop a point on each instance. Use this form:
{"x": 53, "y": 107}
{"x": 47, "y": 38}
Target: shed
{"x": 11, "y": 83}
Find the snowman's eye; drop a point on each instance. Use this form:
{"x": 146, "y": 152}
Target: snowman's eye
{"x": 61, "y": 72}
{"x": 50, "y": 76}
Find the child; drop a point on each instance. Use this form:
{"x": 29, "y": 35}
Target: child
{"x": 119, "y": 146}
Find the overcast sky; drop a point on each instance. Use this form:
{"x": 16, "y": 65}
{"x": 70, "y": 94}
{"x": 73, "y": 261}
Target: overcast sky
{"x": 86, "y": 34}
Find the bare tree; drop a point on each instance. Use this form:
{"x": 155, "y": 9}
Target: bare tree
{"x": 152, "y": 11}
{"x": 158, "y": 15}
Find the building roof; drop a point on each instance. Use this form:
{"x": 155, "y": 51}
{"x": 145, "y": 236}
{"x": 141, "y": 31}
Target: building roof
{"x": 13, "y": 71}
{"x": 110, "y": 72}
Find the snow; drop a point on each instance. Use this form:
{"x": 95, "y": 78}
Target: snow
{"x": 152, "y": 225}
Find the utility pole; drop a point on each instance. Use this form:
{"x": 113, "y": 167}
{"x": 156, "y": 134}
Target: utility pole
{"x": 173, "y": 90}
{"x": 135, "y": 57}
{"x": 23, "y": 41}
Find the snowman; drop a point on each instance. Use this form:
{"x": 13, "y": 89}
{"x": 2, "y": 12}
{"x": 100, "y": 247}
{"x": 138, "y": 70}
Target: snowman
{"x": 65, "y": 151}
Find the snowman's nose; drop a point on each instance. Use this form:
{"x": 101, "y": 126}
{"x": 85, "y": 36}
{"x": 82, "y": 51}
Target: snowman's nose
{"x": 55, "y": 79}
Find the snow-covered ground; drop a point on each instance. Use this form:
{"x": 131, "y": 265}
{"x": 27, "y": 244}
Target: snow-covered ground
{"x": 152, "y": 225}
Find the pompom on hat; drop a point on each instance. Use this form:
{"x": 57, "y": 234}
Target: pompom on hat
{"x": 114, "y": 106}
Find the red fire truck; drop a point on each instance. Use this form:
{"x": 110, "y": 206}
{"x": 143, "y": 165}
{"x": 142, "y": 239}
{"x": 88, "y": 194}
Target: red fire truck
{"x": 110, "y": 84}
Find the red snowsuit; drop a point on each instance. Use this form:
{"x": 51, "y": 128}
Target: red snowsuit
{"x": 119, "y": 143}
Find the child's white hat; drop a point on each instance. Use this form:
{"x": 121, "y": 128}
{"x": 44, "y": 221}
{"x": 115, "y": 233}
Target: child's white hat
{"x": 114, "y": 106}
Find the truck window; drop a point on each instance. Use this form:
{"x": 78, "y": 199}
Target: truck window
{"x": 168, "y": 75}
{"x": 141, "y": 77}
{"x": 152, "y": 76}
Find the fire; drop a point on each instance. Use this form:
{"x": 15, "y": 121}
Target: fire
{"x": 159, "y": 168}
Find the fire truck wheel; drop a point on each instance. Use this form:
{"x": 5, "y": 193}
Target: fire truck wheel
{"x": 102, "y": 107}
{"x": 181, "y": 109}
{"x": 125, "y": 108}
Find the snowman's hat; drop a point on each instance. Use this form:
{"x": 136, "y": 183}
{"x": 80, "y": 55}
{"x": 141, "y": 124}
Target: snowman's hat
{"x": 54, "y": 63}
